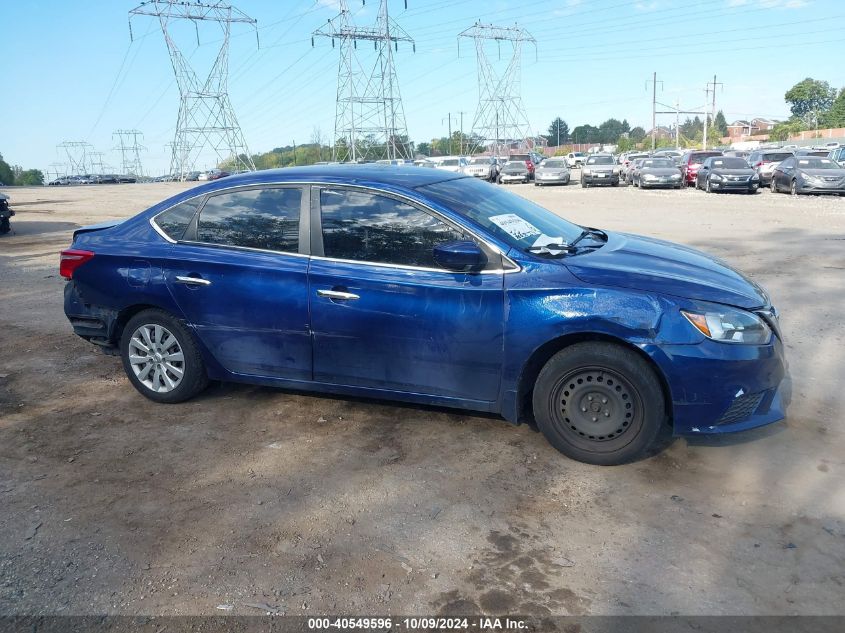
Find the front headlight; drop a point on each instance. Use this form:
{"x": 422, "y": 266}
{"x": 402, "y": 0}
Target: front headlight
{"x": 676, "y": 176}
{"x": 728, "y": 325}
{"x": 715, "y": 177}
{"x": 755, "y": 177}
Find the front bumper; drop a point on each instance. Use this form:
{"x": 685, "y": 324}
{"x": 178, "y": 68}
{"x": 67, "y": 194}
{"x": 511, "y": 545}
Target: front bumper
{"x": 595, "y": 179}
{"x": 809, "y": 188}
{"x": 505, "y": 178}
{"x": 660, "y": 182}
{"x": 724, "y": 388}
{"x": 735, "y": 185}
{"x": 551, "y": 179}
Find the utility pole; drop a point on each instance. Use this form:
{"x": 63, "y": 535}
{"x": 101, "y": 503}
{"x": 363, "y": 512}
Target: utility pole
{"x": 462, "y": 131}
{"x": 294, "y": 152}
{"x": 676, "y": 110}
{"x": 711, "y": 88}
{"x": 449, "y": 118}
{"x": 654, "y": 82}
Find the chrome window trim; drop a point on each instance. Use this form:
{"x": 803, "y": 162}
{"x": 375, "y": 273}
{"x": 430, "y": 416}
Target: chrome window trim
{"x": 318, "y": 183}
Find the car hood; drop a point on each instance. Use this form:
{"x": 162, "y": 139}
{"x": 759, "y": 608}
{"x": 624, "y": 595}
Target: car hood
{"x": 660, "y": 171}
{"x": 734, "y": 172}
{"x": 821, "y": 173}
{"x": 651, "y": 265}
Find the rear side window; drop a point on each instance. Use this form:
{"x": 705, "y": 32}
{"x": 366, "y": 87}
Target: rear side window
{"x": 367, "y": 227}
{"x": 255, "y": 218}
{"x": 176, "y": 219}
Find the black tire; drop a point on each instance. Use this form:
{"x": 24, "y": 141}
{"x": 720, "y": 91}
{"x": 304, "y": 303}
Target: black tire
{"x": 5, "y": 226}
{"x": 194, "y": 379}
{"x": 707, "y": 186}
{"x": 773, "y": 186}
{"x": 793, "y": 188}
{"x": 583, "y": 184}
{"x": 604, "y": 388}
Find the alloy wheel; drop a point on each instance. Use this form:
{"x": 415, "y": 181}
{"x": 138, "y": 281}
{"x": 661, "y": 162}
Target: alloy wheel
{"x": 156, "y": 358}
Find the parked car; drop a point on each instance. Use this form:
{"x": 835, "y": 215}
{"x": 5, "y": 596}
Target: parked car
{"x": 527, "y": 159}
{"x": 626, "y": 164}
{"x": 424, "y": 163}
{"x": 691, "y": 161}
{"x": 600, "y": 170}
{"x": 657, "y": 172}
{"x": 514, "y": 171}
{"x": 60, "y": 181}
{"x": 811, "y": 151}
{"x": 128, "y": 179}
{"x": 727, "y": 173}
{"x": 455, "y": 164}
{"x": 838, "y": 155}
{"x": 627, "y": 172}
{"x": 809, "y": 174}
{"x": 485, "y": 167}
{"x": 414, "y": 285}
{"x": 575, "y": 159}
{"x": 552, "y": 171}
{"x": 673, "y": 154}
{"x": 104, "y": 179}
{"x": 737, "y": 153}
{"x": 764, "y": 161}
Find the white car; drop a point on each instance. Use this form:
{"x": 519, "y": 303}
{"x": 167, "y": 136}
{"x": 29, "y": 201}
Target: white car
{"x": 575, "y": 159}
{"x": 485, "y": 167}
{"x": 203, "y": 176}
{"x": 455, "y": 164}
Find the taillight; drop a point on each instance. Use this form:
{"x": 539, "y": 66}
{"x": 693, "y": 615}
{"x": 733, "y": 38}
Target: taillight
{"x": 71, "y": 259}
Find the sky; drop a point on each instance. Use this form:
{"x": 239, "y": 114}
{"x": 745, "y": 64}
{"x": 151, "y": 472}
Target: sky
{"x": 71, "y": 72}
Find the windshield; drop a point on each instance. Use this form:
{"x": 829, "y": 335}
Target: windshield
{"x": 776, "y": 158}
{"x": 511, "y": 218}
{"x": 729, "y": 163}
{"x": 697, "y": 159}
{"x": 449, "y": 163}
{"x": 817, "y": 163}
{"x": 480, "y": 161}
{"x": 516, "y": 166}
{"x": 659, "y": 163}
{"x": 600, "y": 160}
{"x": 578, "y": 154}
{"x": 554, "y": 164}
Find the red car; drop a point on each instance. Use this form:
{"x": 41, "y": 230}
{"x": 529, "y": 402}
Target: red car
{"x": 691, "y": 161}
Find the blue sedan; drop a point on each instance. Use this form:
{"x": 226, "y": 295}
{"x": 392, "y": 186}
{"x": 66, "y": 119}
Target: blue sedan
{"x": 430, "y": 287}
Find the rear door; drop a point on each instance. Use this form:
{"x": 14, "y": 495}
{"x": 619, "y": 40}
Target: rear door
{"x": 241, "y": 281}
{"x": 385, "y": 316}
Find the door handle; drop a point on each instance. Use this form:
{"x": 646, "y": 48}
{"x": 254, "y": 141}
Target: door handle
{"x": 336, "y": 294}
{"x": 198, "y": 281}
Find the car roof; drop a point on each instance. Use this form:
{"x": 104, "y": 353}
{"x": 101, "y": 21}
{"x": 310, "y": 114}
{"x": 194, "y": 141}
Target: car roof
{"x": 398, "y": 175}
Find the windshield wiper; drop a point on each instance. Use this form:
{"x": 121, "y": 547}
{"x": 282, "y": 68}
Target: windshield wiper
{"x": 589, "y": 233}
{"x": 567, "y": 247}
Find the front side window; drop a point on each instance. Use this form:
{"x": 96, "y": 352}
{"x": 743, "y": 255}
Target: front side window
{"x": 176, "y": 219}
{"x": 254, "y": 218}
{"x": 788, "y": 163}
{"x": 367, "y": 227}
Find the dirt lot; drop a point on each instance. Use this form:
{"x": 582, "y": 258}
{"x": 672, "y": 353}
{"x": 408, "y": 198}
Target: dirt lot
{"x": 112, "y": 504}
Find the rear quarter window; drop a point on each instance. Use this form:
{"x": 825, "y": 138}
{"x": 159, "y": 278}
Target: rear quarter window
{"x": 175, "y": 220}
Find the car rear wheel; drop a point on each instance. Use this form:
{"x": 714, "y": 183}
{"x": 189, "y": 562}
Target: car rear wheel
{"x": 599, "y": 403}
{"x": 161, "y": 358}
{"x": 773, "y": 186}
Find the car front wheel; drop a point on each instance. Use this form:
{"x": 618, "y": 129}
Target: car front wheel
{"x": 161, "y": 358}
{"x": 793, "y": 188}
{"x": 599, "y": 403}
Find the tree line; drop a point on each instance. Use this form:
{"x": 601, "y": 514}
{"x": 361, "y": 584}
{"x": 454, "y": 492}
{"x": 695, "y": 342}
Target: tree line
{"x": 16, "y": 175}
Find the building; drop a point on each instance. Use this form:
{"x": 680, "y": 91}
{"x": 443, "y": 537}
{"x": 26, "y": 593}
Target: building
{"x": 741, "y": 128}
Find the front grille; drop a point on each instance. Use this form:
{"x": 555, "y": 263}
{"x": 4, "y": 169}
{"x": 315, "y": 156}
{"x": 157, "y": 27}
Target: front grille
{"x": 742, "y": 408}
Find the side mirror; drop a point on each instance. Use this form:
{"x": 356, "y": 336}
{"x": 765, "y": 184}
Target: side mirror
{"x": 462, "y": 256}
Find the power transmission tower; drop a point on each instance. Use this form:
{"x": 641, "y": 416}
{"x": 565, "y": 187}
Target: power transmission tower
{"x": 78, "y": 156}
{"x": 130, "y": 151}
{"x": 206, "y": 119}
{"x": 97, "y": 162}
{"x": 369, "y": 117}
{"x": 55, "y": 170}
{"x": 500, "y": 119}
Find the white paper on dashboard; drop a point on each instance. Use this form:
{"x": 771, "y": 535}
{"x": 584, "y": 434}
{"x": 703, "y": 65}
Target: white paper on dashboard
{"x": 545, "y": 240}
{"x": 514, "y": 225}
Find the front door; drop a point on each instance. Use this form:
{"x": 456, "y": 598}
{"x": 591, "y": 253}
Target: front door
{"x": 241, "y": 282}
{"x": 385, "y": 316}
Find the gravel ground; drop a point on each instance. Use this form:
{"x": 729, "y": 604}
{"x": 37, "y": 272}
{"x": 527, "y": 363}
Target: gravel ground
{"x": 304, "y": 505}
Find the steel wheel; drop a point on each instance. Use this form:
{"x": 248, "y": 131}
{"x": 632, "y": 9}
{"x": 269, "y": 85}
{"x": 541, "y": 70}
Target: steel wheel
{"x": 596, "y": 405}
{"x": 156, "y": 358}
{"x": 793, "y": 189}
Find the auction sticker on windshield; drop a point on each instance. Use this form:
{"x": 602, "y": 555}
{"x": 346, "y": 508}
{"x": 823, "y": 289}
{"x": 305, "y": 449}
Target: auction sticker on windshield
{"x": 514, "y": 225}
